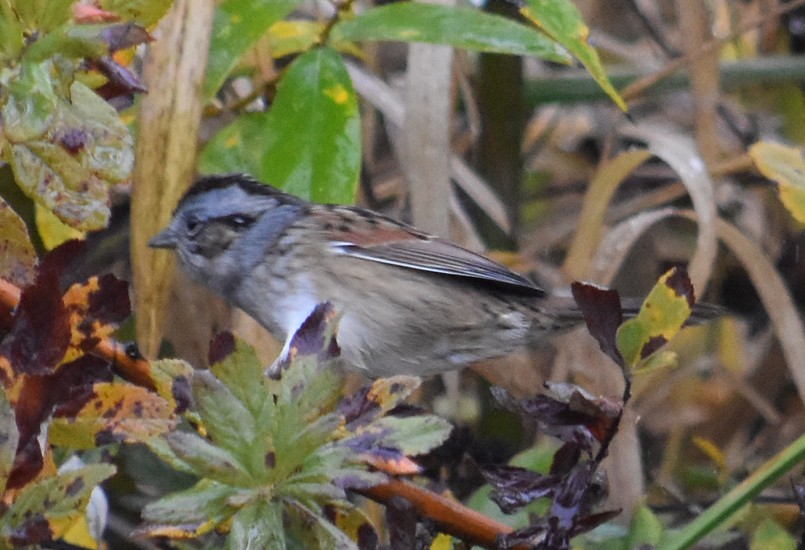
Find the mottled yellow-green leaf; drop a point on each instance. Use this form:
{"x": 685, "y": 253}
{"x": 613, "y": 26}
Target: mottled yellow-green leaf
{"x": 52, "y": 503}
{"x": 17, "y": 255}
{"x": 786, "y": 166}
{"x": 662, "y": 314}
{"x": 289, "y": 37}
{"x": 561, "y": 21}
{"x": 69, "y": 169}
{"x": 9, "y": 437}
{"x": 31, "y": 105}
{"x": 52, "y": 230}
{"x": 116, "y": 412}
{"x": 664, "y": 359}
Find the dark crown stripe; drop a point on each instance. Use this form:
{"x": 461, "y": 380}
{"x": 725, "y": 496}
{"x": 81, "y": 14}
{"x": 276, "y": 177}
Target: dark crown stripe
{"x": 246, "y": 182}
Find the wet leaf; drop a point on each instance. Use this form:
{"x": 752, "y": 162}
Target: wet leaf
{"x": 17, "y": 255}
{"x": 786, "y": 166}
{"x": 68, "y": 169}
{"x": 664, "y": 312}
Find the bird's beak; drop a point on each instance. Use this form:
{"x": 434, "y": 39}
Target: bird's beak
{"x": 167, "y": 238}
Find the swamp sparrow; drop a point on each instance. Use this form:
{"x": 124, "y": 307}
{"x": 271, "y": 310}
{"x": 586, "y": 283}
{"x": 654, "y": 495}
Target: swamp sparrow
{"x": 410, "y": 303}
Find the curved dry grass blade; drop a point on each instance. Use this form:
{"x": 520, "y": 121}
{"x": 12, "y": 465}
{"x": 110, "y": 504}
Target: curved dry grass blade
{"x": 619, "y": 241}
{"x": 775, "y": 296}
{"x": 596, "y": 201}
{"x": 680, "y": 153}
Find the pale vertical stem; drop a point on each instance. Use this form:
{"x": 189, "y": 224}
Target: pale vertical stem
{"x": 426, "y": 134}
{"x": 169, "y": 119}
{"x": 694, "y": 25}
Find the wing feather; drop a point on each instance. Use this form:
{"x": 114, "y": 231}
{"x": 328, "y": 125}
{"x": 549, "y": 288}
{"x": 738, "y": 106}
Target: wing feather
{"x": 438, "y": 256}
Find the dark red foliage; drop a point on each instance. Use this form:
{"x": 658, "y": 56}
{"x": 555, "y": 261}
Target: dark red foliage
{"x": 222, "y": 345}
{"x": 357, "y": 409}
{"x": 64, "y": 392}
{"x": 680, "y": 283}
{"x": 603, "y": 315}
{"x": 309, "y": 338}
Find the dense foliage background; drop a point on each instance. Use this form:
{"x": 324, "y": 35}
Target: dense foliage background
{"x": 603, "y": 141}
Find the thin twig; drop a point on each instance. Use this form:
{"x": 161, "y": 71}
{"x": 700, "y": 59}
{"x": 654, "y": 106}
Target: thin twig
{"x": 636, "y": 88}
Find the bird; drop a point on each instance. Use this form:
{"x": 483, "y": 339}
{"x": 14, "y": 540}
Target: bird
{"x": 409, "y": 303}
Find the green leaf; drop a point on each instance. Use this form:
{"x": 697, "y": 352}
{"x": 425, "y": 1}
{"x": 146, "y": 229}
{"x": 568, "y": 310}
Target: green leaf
{"x": 238, "y": 25}
{"x": 258, "y": 526}
{"x": 17, "y": 254}
{"x": 207, "y": 460}
{"x": 646, "y": 529}
{"x": 560, "y": 20}
{"x": 227, "y": 420}
{"x": 43, "y": 15}
{"x": 770, "y": 535}
{"x": 319, "y": 533}
{"x": 242, "y": 373}
{"x": 12, "y": 39}
{"x": 309, "y": 141}
{"x": 56, "y": 500}
{"x": 143, "y": 12}
{"x": 191, "y": 512}
{"x": 459, "y": 27}
{"x": 786, "y": 166}
{"x": 9, "y": 437}
{"x": 32, "y": 104}
{"x": 663, "y": 313}
{"x": 68, "y": 170}
{"x": 413, "y": 435}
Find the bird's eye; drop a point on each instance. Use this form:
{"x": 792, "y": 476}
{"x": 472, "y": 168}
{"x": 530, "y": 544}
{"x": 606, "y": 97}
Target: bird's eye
{"x": 192, "y": 225}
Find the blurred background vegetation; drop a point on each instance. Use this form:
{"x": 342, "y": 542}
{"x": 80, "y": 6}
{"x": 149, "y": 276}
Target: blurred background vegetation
{"x": 596, "y": 140}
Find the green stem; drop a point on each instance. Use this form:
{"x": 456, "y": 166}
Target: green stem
{"x": 728, "y": 505}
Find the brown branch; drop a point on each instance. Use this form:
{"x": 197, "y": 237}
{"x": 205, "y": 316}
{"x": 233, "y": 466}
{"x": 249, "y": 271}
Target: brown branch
{"x": 454, "y": 518}
{"x": 636, "y": 88}
{"x": 451, "y": 516}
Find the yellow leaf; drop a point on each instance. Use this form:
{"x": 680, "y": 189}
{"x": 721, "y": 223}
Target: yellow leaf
{"x": 52, "y": 230}
{"x": 786, "y": 166}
